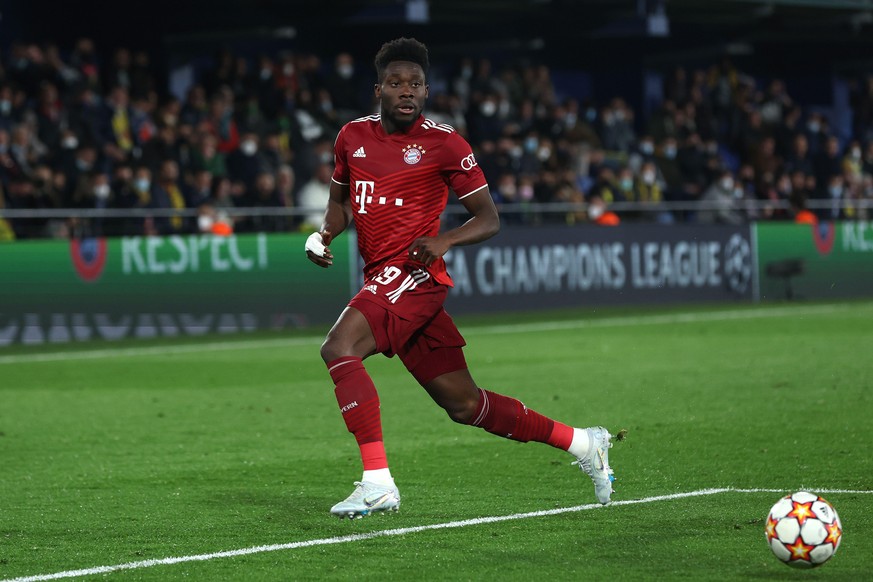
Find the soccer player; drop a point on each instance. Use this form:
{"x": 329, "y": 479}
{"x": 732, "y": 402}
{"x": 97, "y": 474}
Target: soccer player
{"x": 392, "y": 177}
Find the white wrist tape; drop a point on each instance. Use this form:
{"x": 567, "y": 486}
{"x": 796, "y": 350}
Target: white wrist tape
{"x": 315, "y": 244}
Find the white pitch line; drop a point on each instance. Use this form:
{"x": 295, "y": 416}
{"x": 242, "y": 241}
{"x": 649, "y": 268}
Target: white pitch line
{"x": 398, "y": 532}
{"x": 623, "y": 321}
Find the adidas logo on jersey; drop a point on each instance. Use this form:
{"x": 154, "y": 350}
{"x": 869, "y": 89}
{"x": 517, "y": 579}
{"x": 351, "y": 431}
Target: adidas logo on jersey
{"x": 359, "y": 153}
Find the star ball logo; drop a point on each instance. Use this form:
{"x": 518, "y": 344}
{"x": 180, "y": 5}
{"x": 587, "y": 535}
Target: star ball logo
{"x": 412, "y": 153}
{"x": 89, "y": 257}
{"x": 738, "y": 264}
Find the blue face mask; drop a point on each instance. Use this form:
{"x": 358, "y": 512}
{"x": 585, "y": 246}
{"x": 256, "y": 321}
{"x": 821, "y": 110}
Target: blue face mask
{"x": 142, "y": 184}
{"x": 530, "y": 144}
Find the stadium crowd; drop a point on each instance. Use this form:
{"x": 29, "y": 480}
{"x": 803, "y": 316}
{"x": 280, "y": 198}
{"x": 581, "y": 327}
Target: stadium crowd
{"x": 79, "y": 132}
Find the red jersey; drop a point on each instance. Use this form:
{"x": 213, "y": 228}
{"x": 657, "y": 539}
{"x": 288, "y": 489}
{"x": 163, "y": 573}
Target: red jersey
{"x": 399, "y": 183}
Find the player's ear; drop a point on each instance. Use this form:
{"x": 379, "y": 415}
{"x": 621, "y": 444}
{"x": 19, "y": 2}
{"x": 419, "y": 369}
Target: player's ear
{"x": 377, "y": 90}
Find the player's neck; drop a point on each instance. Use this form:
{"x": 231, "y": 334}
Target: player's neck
{"x": 391, "y": 127}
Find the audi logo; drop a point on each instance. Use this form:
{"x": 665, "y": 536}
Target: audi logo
{"x": 468, "y": 163}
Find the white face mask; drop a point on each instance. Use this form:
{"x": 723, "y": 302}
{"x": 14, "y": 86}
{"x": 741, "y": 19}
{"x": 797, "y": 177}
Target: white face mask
{"x": 649, "y": 178}
{"x": 595, "y": 211}
{"x": 488, "y": 108}
{"x": 101, "y": 191}
{"x": 727, "y": 183}
{"x": 248, "y": 147}
{"x": 345, "y": 71}
{"x": 204, "y": 223}
{"x": 70, "y": 143}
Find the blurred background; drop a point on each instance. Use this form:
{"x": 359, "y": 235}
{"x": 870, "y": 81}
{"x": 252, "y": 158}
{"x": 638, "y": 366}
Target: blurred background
{"x": 219, "y": 116}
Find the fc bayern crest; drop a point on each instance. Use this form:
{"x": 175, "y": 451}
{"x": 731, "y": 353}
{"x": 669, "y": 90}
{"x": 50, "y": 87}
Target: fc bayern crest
{"x": 412, "y": 154}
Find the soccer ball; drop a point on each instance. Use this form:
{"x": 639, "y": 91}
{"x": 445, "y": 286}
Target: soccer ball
{"x": 803, "y": 530}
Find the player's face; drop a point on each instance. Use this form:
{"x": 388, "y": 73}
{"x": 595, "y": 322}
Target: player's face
{"x": 401, "y": 94}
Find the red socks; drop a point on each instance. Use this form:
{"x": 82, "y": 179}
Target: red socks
{"x": 501, "y": 415}
{"x": 509, "y": 418}
{"x": 359, "y": 404}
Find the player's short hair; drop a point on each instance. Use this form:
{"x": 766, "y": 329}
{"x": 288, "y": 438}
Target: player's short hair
{"x": 401, "y": 49}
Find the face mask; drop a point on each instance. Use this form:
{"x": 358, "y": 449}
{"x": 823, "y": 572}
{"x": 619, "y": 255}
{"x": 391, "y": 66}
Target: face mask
{"x": 466, "y": 72}
{"x": 326, "y": 158}
{"x": 101, "y": 191}
{"x": 82, "y": 165}
{"x": 544, "y": 154}
{"x": 856, "y": 154}
{"x": 595, "y": 212}
{"x": 727, "y": 183}
{"x": 345, "y": 71}
{"x": 248, "y": 148}
{"x": 288, "y": 69}
{"x": 649, "y": 178}
{"x": 142, "y": 184}
{"x": 670, "y": 152}
{"x": 647, "y": 148}
{"x": 813, "y": 126}
{"x": 570, "y": 119}
{"x": 204, "y": 223}
{"x": 70, "y": 143}
{"x": 530, "y": 144}
{"x": 836, "y": 191}
{"x": 526, "y": 192}
{"x": 266, "y": 74}
{"x": 488, "y": 108}
{"x": 619, "y": 115}
{"x": 626, "y": 184}
{"x": 5, "y": 106}
{"x": 591, "y": 114}
{"x": 738, "y": 192}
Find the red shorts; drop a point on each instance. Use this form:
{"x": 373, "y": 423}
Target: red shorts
{"x": 404, "y": 307}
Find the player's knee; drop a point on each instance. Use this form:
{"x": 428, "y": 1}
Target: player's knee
{"x": 331, "y": 350}
{"x": 462, "y": 411}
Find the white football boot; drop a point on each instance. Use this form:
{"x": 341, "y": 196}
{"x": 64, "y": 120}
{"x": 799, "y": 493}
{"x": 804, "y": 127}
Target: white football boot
{"x": 596, "y": 463}
{"x": 367, "y": 498}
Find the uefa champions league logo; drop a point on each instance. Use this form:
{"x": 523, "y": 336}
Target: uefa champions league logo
{"x": 738, "y": 264}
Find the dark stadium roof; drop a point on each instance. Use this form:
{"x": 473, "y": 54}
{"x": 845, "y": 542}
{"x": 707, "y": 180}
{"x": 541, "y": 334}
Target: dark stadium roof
{"x": 769, "y": 33}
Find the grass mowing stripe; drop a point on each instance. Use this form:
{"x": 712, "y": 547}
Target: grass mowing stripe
{"x": 397, "y": 532}
{"x": 694, "y": 317}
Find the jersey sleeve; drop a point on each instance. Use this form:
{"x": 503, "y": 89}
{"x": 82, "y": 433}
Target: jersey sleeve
{"x": 459, "y": 167}
{"x": 341, "y": 167}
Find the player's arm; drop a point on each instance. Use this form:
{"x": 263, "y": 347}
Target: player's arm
{"x": 337, "y": 217}
{"x": 484, "y": 223}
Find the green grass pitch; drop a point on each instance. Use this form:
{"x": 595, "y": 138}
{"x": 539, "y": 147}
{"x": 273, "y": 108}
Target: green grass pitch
{"x": 121, "y": 453}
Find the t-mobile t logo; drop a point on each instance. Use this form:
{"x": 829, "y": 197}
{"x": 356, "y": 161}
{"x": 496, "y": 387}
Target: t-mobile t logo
{"x": 364, "y": 190}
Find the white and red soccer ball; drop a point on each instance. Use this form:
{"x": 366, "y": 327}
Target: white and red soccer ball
{"x": 803, "y": 530}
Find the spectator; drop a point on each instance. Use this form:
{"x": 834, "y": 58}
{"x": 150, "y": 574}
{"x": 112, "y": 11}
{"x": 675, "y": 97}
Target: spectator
{"x": 170, "y": 193}
{"x": 720, "y": 203}
{"x": 599, "y": 214}
{"x": 344, "y": 88}
{"x": 247, "y": 161}
{"x": 314, "y": 195}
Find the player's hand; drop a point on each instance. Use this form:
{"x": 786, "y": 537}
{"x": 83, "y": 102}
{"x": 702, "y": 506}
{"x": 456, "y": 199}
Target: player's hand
{"x": 427, "y": 249}
{"x": 317, "y": 250}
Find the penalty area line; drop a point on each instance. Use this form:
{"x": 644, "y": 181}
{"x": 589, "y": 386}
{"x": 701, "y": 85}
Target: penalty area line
{"x": 397, "y": 532}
